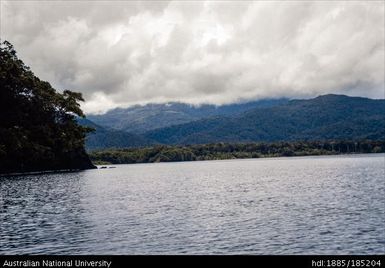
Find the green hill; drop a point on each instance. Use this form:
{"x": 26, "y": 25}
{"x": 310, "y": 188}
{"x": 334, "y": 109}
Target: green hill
{"x": 328, "y": 117}
{"x": 138, "y": 119}
{"x": 103, "y": 138}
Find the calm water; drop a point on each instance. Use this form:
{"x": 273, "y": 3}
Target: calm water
{"x": 305, "y": 205}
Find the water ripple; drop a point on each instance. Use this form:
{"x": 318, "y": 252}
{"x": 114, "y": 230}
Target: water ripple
{"x": 304, "y": 205}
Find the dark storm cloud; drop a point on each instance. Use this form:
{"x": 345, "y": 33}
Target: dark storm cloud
{"x": 121, "y": 53}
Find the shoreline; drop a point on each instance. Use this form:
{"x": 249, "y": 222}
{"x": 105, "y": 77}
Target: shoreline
{"x": 246, "y": 158}
{"x": 14, "y": 174}
{"x": 102, "y": 166}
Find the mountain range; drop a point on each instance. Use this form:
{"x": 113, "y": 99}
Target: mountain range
{"x": 139, "y": 119}
{"x": 327, "y": 117}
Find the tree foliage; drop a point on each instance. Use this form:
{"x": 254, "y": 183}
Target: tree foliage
{"x": 38, "y": 130}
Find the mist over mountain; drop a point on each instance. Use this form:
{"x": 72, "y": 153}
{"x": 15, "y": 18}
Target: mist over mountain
{"x": 217, "y": 52}
{"x": 139, "y": 119}
{"x": 327, "y": 117}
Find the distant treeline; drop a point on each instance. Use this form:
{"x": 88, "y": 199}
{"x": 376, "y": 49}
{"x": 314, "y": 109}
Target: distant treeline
{"x": 217, "y": 151}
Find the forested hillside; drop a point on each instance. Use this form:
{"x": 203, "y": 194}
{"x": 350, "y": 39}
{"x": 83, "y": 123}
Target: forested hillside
{"x": 138, "y": 119}
{"x": 102, "y": 138}
{"x": 328, "y": 117}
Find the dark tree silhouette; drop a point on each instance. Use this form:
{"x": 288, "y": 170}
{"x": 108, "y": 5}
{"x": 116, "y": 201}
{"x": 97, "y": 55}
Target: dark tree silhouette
{"x": 38, "y": 127}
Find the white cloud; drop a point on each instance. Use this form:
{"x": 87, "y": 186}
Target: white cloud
{"x": 122, "y": 53}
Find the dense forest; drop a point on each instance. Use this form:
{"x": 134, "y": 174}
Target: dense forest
{"x": 38, "y": 127}
{"x": 217, "y": 151}
{"x": 327, "y": 117}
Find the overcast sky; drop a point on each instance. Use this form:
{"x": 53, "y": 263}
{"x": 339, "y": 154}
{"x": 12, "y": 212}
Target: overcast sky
{"x": 119, "y": 53}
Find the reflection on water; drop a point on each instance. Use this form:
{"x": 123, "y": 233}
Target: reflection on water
{"x": 304, "y": 205}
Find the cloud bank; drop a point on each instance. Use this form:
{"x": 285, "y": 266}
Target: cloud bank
{"x": 123, "y": 53}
